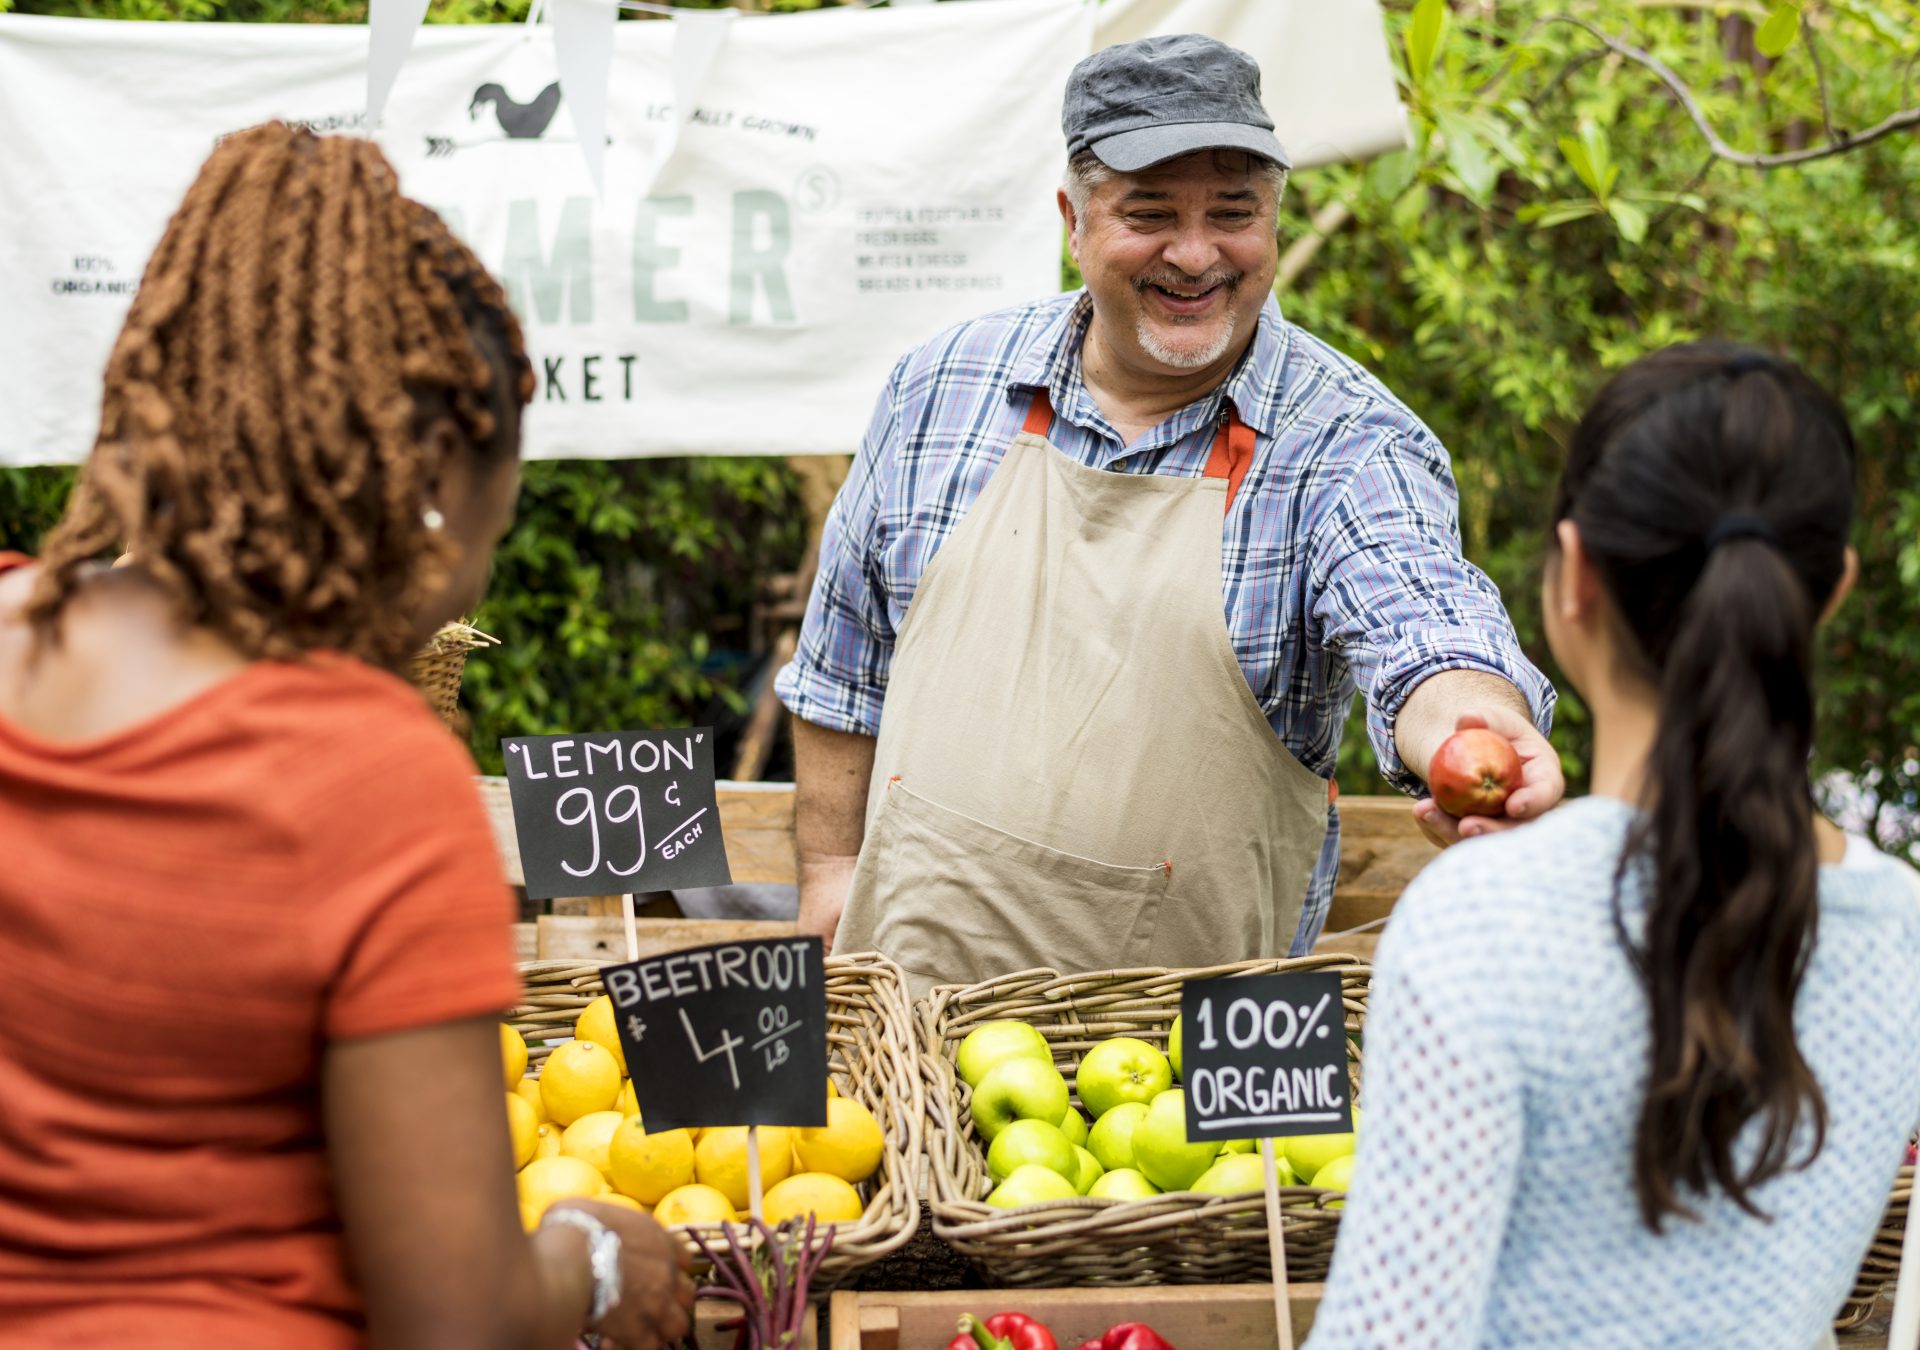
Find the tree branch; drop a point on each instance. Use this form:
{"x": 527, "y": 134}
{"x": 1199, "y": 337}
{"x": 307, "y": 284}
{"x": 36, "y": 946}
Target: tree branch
{"x": 1820, "y": 71}
{"x": 1838, "y": 141}
{"x": 1300, "y": 253}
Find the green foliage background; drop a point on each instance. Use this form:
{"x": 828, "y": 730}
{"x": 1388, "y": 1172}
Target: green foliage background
{"x": 1556, "y": 217}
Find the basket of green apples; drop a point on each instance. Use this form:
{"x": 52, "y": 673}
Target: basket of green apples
{"x": 1057, "y": 1138}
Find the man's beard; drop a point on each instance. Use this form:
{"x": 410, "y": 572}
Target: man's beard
{"x": 1216, "y": 347}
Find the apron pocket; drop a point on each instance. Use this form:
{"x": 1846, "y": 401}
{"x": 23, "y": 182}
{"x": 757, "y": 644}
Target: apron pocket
{"x": 956, "y": 900}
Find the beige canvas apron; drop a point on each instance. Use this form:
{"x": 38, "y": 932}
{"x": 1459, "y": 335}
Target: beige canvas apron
{"x": 1071, "y": 770}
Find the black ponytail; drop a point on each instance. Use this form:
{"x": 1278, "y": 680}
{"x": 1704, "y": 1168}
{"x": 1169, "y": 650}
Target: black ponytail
{"x": 1713, "y": 489}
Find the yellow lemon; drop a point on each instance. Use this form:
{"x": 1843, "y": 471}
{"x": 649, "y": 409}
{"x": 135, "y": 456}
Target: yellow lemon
{"x": 545, "y": 1180}
{"x": 848, "y": 1146}
{"x": 827, "y": 1198}
{"x": 626, "y": 1103}
{"x": 579, "y": 1079}
{"x": 647, "y": 1166}
{"x": 513, "y": 1054}
{"x": 624, "y": 1201}
{"x": 588, "y": 1137}
{"x": 596, "y": 1025}
{"x": 832, "y": 1091}
{"x": 546, "y": 1141}
{"x": 693, "y": 1204}
{"x": 530, "y": 1216}
{"x": 524, "y": 1129}
{"x": 528, "y": 1090}
{"x": 720, "y": 1159}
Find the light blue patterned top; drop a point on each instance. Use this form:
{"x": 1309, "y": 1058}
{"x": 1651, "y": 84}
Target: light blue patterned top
{"x": 1506, "y": 1053}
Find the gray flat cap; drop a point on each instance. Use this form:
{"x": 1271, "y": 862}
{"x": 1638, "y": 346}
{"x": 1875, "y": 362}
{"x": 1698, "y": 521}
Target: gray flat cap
{"x": 1142, "y": 103}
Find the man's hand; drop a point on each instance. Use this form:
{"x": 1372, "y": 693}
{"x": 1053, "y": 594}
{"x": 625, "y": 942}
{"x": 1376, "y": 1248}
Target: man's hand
{"x": 1542, "y": 785}
{"x": 824, "y": 883}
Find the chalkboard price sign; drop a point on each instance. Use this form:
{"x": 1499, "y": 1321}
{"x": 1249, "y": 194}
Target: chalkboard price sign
{"x": 1264, "y": 1055}
{"x": 615, "y": 811}
{"x": 732, "y": 1034}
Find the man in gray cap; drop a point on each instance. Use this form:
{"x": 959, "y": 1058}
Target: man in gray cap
{"x": 1107, "y": 573}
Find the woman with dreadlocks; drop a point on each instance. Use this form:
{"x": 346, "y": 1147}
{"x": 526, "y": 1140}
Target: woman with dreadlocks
{"x": 253, "y": 939}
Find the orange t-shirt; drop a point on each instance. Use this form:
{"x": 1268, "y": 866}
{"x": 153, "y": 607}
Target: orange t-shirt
{"x": 190, "y": 909}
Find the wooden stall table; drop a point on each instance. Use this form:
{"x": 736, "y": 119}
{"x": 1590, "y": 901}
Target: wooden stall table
{"x": 1381, "y": 848}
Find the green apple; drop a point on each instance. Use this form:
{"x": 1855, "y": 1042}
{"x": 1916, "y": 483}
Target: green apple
{"x": 1247, "y": 1146}
{"x": 1088, "y": 1170}
{"x": 1031, "y": 1143}
{"x": 996, "y": 1042}
{"x": 1233, "y": 1174}
{"x": 1160, "y": 1146}
{"x": 1310, "y": 1152}
{"x": 1173, "y": 1048}
{"x": 1074, "y": 1126}
{"x": 1123, "y": 1183}
{"x": 1031, "y": 1185}
{"x": 1336, "y": 1176}
{"x": 1018, "y": 1089}
{"x": 1111, "y": 1138}
{"x": 1121, "y": 1070}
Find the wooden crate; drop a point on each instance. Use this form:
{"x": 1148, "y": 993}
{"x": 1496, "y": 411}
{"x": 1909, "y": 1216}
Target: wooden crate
{"x": 1192, "y": 1317}
{"x": 599, "y": 941}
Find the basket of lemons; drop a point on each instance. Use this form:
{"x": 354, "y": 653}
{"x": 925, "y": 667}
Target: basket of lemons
{"x": 578, "y": 1129}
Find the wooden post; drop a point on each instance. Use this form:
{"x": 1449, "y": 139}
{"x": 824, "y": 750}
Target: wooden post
{"x": 754, "y": 1205}
{"x": 1276, "y": 1247}
{"x": 633, "y": 929}
{"x": 1905, "y": 1334}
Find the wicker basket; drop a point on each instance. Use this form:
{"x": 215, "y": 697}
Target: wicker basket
{"x": 1181, "y": 1238}
{"x": 870, "y": 1052}
{"x": 1882, "y": 1264}
{"x": 437, "y": 668}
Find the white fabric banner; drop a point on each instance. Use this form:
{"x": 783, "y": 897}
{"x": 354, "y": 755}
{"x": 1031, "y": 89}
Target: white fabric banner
{"x": 1325, "y": 73}
{"x": 845, "y": 184}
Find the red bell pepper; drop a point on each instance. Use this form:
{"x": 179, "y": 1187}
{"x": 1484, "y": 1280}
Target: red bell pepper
{"x": 1129, "y": 1336}
{"x": 1002, "y": 1331}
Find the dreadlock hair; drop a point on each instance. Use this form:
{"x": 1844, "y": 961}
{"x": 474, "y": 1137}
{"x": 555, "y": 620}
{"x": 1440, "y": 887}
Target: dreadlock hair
{"x": 259, "y": 453}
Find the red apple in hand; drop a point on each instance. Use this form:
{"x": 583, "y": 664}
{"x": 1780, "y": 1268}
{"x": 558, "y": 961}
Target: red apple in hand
{"x": 1473, "y": 772}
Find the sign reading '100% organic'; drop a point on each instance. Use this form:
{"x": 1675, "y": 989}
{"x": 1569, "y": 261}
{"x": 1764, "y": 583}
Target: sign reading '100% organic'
{"x": 1265, "y": 1055}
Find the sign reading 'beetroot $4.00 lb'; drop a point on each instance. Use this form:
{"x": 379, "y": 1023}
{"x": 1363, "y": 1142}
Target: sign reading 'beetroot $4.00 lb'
{"x": 732, "y": 1034}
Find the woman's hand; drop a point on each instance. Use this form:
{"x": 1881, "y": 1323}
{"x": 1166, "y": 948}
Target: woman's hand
{"x": 1542, "y": 784}
{"x": 656, "y": 1291}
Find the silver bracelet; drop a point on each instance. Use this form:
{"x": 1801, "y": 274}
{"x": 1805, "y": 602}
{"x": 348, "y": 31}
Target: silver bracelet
{"x": 603, "y": 1257}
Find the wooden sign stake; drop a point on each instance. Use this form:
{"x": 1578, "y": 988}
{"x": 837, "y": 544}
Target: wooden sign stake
{"x": 754, "y": 1205}
{"x": 633, "y": 931}
{"x": 1905, "y": 1334}
{"x": 1276, "y": 1247}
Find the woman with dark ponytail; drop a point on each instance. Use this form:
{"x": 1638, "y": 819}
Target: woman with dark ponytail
{"x": 1642, "y": 1073}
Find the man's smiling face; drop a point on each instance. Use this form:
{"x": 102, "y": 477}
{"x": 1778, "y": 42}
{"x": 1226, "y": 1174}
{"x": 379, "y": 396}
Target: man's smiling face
{"x": 1179, "y": 258}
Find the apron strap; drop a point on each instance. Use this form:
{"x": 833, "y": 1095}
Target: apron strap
{"x": 1231, "y": 457}
{"x": 1232, "y": 453}
{"x": 1039, "y": 414}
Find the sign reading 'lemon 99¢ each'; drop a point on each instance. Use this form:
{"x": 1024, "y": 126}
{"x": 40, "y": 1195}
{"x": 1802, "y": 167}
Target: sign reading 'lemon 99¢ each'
{"x": 732, "y": 1034}
{"x": 1264, "y": 1055}
{"x": 615, "y": 811}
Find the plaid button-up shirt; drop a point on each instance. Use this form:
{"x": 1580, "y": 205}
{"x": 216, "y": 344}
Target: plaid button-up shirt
{"x": 1340, "y": 558}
